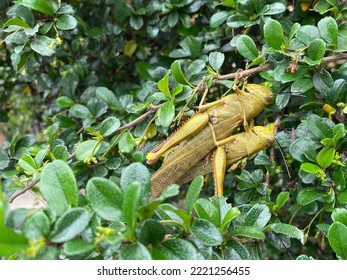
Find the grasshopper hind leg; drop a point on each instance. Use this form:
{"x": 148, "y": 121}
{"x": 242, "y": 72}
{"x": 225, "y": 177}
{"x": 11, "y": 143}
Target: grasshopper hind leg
{"x": 219, "y": 165}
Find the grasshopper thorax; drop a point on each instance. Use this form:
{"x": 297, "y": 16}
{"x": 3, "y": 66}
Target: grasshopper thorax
{"x": 262, "y": 93}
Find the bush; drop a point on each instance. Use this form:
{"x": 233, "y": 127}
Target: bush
{"x": 88, "y": 88}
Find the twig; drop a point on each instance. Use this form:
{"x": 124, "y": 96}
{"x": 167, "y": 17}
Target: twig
{"x": 244, "y": 73}
{"x": 272, "y": 149}
{"x": 28, "y": 187}
{"x": 139, "y": 119}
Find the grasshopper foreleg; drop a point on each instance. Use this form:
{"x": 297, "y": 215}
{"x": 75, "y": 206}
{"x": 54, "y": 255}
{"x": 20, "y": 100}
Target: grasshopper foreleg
{"x": 187, "y": 130}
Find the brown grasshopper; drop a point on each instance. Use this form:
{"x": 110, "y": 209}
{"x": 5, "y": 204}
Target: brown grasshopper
{"x": 199, "y": 134}
{"x": 237, "y": 148}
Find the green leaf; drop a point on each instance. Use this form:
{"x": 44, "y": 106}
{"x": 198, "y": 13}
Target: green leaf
{"x": 177, "y": 90}
{"x": 258, "y": 216}
{"x": 87, "y": 149}
{"x": 137, "y": 172}
{"x": 130, "y": 48}
{"x": 151, "y": 232}
{"x": 64, "y": 101}
{"x": 339, "y": 215}
{"x": 325, "y": 157}
{"x": 337, "y": 236}
{"x": 320, "y": 127}
{"x": 323, "y": 82}
{"x": 27, "y": 163}
{"x": 130, "y": 204}
{"x": 172, "y": 19}
{"x": 324, "y": 228}
{"x": 146, "y": 70}
{"x": 80, "y": 111}
{"x": 109, "y": 126}
{"x": 175, "y": 249}
{"x": 282, "y": 100}
{"x": 308, "y": 195}
{"x": 25, "y": 14}
{"x": 273, "y": 34}
{"x": 147, "y": 210}
{"x": 316, "y": 49}
{"x": 77, "y": 247}
{"x": 281, "y": 199}
{"x": 48, "y": 7}
{"x": 105, "y": 198}
{"x": 66, "y": 22}
{"x": 108, "y": 97}
{"x": 70, "y": 224}
{"x": 168, "y": 212}
{"x": 246, "y": 47}
{"x": 302, "y": 149}
{"x": 218, "y": 18}
{"x": 328, "y": 30}
{"x": 16, "y": 22}
{"x": 206, "y": 233}
{"x": 301, "y": 85}
{"x": 11, "y": 242}
{"x": 58, "y": 186}
{"x": 238, "y": 20}
{"x": 193, "y": 193}
{"x": 342, "y": 197}
{"x": 43, "y": 45}
{"x": 310, "y": 168}
{"x": 126, "y": 143}
{"x": 275, "y": 8}
{"x": 262, "y": 159}
{"x": 249, "y": 231}
{"x": 304, "y": 258}
{"x": 282, "y": 74}
{"x": 338, "y": 132}
{"x": 61, "y": 152}
{"x": 230, "y": 215}
{"x": 307, "y": 34}
{"x": 339, "y": 175}
{"x": 166, "y": 114}
{"x": 4, "y": 159}
{"x": 178, "y": 74}
{"x": 234, "y": 250}
{"x": 136, "y": 22}
{"x": 163, "y": 85}
{"x": 4, "y": 206}
{"x": 135, "y": 251}
{"x": 216, "y": 59}
{"x": 207, "y": 211}
{"x": 286, "y": 229}
{"x": 36, "y": 226}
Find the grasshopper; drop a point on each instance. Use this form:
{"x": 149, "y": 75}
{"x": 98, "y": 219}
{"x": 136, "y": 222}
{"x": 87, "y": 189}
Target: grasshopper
{"x": 237, "y": 148}
{"x": 198, "y": 136}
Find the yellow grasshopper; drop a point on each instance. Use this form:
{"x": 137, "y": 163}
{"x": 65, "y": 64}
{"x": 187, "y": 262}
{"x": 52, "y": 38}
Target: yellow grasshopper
{"x": 237, "y": 148}
{"x": 199, "y": 134}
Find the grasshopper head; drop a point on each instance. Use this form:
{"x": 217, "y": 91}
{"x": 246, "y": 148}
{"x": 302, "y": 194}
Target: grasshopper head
{"x": 262, "y": 93}
{"x": 265, "y": 133}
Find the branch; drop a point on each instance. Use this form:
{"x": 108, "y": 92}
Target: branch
{"x": 139, "y": 119}
{"x": 243, "y": 73}
{"x": 28, "y": 187}
{"x": 128, "y": 125}
{"x": 252, "y": 71}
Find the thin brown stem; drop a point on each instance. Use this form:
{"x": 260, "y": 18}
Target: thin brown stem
{"x": 28, "y": 187}
{"x": 244, "y": 73}
{"x": 264, "y": 67}
{"x": 139, "y": 119}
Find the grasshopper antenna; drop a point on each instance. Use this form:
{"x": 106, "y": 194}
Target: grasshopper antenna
{"x": 285, "y": 161}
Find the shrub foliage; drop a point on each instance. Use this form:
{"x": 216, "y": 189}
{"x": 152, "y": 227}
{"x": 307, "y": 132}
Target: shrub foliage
{"x": 88, "y": 88}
